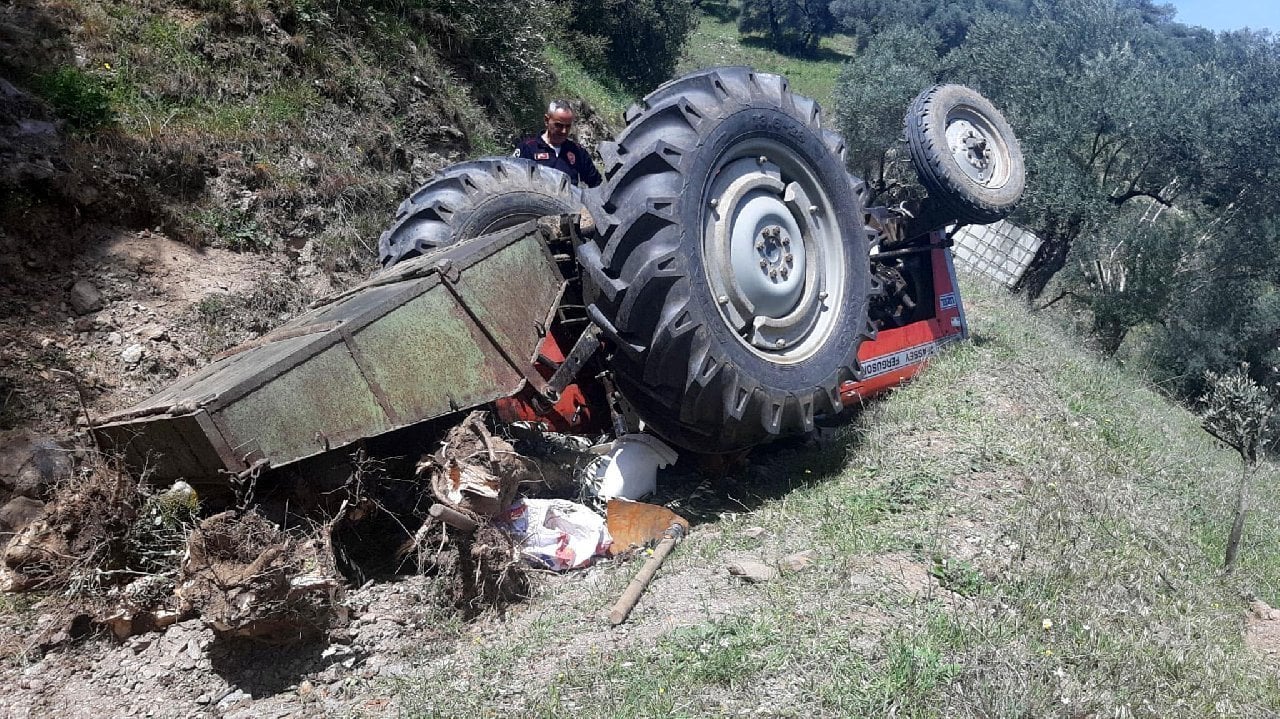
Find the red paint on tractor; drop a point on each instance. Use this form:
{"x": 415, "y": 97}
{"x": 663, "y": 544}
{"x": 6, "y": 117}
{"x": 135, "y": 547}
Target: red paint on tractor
{"x": 898, "y": 354}
{"x": 572, "y": 414}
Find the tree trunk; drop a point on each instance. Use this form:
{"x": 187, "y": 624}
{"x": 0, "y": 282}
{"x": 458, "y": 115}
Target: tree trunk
{"x": 1110, "y": 334}
{"x": 1058, "y": 235}
{"x": 1237, "y": 524}
{"x": 1051, "y": 258}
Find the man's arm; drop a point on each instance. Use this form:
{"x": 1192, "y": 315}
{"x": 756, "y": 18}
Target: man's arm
{"x": 524, "y": 149}
{"x": 587, "y": 169}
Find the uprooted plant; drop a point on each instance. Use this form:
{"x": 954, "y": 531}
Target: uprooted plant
{"x": 245, "y": 577}
{"x": 81, "y": 541}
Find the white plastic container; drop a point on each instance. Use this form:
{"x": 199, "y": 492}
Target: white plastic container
{"x": 630, "y": 469}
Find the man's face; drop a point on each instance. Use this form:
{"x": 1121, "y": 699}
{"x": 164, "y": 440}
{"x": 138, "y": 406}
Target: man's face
{"x": 558, "y": 125}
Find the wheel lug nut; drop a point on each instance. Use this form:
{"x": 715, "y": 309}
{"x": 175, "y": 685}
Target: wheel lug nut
{"x": 760, "y": 245}
{"x": 714, "y": 202}
{"x": 773, "y": 274}
{"x": 764, "y": 264}
{"x": 785, "y": 272}
{"x": 786, "y": 241}
{"x": 791, "y": 259}
{"x": 762, "y": 159}
{"x": 822, "y": 295}
{"x": 723, "y": 299}
{"x": 780, "y": 343}
{"x": 813, "y": 208}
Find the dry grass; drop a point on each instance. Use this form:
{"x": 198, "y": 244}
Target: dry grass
{"x": 227, "y": 320}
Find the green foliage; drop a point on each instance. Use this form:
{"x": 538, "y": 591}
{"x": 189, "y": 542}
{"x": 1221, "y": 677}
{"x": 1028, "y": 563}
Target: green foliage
{"x": 957, "y": 575}
{"x": 947, "y": 22}
{"x": 788, "y": 25}
{"x": 601, "y": 92}
{"x": 1127, "y": 272}
{"x": 875, "y": 88}
{"x": 718, "y": 42}
{"x": 636, "y": 41}
{"x": 1152, "y": 152}
{"x": 234, "y": 230}
{"x": 502, "y": 40}
{"x": 1238, "y": 411}
{"x": 82, "y": 99}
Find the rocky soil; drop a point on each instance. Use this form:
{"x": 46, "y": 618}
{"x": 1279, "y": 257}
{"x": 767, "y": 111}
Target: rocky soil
{"x": 184, "y": 672}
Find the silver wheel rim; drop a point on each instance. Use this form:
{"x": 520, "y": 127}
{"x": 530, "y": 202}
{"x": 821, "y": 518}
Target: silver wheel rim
{"x": 976, "y": 147}
{"x": 772, "y": 251}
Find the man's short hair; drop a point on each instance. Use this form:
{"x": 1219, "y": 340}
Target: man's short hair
{"x": 559, "y": 106}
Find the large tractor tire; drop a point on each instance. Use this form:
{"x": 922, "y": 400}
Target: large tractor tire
{"x": 474, "y": 198}
{"x": 966, "y": 156}
{"x": 730, "y": 263}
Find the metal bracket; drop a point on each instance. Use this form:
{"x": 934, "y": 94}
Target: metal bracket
{"x": 587, "y": 344}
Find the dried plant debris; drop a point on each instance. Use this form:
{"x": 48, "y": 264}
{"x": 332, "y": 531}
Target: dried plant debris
{"x": 475, "y": 472}
{"x": 79, "y": 541}
{"x": 476, "y": 570}
{"x": 247, "y": 578}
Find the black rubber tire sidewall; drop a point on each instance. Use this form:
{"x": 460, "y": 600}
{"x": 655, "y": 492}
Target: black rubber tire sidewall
{"x": 951, "y": 191}
{"x": 651, "y": 283}
{"x": 481, "y": 196}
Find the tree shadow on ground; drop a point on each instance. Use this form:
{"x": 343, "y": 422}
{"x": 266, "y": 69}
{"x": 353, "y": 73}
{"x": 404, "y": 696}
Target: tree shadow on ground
{"x": 722, "y": 11}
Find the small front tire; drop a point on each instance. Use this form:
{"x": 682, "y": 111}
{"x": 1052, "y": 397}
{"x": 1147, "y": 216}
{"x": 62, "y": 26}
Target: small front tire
{"x": 966, "y": 156}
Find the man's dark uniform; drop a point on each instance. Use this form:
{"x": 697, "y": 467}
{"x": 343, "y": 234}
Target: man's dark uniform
{"x": 572, "y": 160}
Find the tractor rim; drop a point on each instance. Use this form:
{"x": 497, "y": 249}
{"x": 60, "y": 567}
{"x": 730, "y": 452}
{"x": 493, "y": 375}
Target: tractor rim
{"x": 772, "y": 250}
{"x": 976, "y": 147}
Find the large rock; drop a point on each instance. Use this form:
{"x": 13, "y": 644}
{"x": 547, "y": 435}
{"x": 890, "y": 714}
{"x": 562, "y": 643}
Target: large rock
{"x": 29, "y": 466}
{"x": 85, "y": 298}
{"x": 15, "y": 515}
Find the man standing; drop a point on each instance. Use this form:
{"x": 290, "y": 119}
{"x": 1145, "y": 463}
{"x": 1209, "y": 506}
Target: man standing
{"x": 554, "y": 149}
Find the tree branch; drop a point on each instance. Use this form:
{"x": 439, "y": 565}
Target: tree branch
{"x": 1118, "y": 200}
{"x": 1061, "y": 295}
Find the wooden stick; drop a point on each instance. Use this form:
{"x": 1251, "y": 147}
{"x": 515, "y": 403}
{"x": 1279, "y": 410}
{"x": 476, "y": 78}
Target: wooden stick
{"x": 631, "y": 596}
{"x": 453, "y": 517}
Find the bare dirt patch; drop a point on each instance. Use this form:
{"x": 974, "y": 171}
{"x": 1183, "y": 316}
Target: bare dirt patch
{"x": 1262, "y": 630}
{"x": 137, "y": 335}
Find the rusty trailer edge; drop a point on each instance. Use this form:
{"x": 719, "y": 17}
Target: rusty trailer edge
{"x": 448, "y": 331}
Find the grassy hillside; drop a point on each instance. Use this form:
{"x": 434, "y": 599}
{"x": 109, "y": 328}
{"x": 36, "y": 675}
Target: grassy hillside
{"x": 1025, "y": 531}
{"x": 717, "y": 42}
{"x": 254, "y": 126}
{"x": 714, "y": 42}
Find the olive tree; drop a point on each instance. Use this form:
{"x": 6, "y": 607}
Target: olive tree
{"x": 872, "y": 92}
{"x": 1238, "y": 412}
{"x": 788, "y": 25}
{"x": 636, "y": 41}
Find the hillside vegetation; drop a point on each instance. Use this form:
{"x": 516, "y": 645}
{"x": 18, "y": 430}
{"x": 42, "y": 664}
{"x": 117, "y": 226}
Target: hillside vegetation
{"x": 1024, "y": 531}
{"x": 1151, "y": 160}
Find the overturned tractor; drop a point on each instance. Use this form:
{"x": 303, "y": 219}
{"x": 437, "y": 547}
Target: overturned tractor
{"x": 728, "y": 284}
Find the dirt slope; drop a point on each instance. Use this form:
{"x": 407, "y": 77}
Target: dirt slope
{"x": 205, "y": 168}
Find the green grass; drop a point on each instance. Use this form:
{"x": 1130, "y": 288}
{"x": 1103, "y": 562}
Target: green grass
{"x": 1023, "y": 531}
{"x": 717, "y": 42}
{"x": 572, "y": 80}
